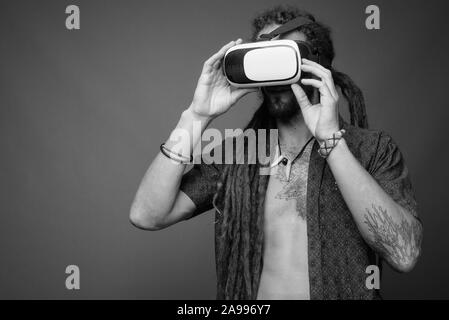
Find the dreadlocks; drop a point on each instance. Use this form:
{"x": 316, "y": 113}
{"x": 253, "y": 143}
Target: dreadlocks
{"x": 241, "y": 187}
{"x": 319, "y": 36}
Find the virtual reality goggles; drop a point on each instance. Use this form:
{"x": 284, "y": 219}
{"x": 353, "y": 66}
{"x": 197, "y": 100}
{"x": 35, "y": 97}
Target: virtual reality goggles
{"x": 269, "y": 63}
{"x": 266, "y": 63}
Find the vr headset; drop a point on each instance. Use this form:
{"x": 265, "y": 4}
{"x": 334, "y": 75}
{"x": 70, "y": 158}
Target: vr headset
{"x": 269, "y": 63}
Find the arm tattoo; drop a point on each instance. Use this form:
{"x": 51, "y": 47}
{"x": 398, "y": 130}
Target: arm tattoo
{"x": 400, "y": 241}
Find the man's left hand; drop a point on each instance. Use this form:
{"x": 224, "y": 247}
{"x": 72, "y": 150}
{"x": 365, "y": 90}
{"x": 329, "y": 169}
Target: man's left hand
{"x": 321, "y": 118}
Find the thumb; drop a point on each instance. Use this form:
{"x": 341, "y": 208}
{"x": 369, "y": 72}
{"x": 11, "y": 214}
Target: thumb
{"x": 239, "y": 93}
{"x": 301, "y": 96}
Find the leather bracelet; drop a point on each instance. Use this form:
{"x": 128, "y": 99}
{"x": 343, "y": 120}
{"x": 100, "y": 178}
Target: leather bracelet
{"x": 177, "y": 157}
{"x": 327, "y": 145}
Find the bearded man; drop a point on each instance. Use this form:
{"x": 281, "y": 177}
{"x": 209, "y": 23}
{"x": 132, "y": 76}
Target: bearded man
{"x": 337, "y": 200}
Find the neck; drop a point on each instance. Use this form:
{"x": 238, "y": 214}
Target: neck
{"x": 293, "y": 133}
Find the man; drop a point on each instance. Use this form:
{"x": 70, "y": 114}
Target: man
{"x": 338, "y": 200}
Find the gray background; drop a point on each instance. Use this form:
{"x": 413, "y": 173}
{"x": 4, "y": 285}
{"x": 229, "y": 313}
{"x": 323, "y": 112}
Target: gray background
{"x": 82, "y": 114}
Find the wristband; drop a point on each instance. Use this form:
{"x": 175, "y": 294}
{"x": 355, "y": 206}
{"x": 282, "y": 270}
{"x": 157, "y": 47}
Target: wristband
{"x": 327, "y": 145}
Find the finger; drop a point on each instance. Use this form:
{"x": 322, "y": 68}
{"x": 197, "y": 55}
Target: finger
{"x": 328, "y": 72}
{"x": 314, "y": 70}
{"x": 217, "y": 64}
{"x": 313, "y": 63}
{"x": 320, "y": 85}
{"x": 325, "y": 75}
{"x": 239, "y": 93}
{"x": 220, "y": 54}
{"x": 209, "y": 63}
{"x": 301, "y": 96}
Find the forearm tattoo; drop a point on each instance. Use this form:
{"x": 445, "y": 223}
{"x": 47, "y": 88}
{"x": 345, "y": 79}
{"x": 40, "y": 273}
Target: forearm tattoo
{"x": 398, "y": 241}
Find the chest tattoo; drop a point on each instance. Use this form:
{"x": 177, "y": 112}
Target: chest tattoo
{"x": 295, "y": 188}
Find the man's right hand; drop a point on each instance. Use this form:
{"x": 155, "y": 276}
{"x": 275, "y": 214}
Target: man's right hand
{"x": 159, "y": 202}
{"x": 213, "y": 95}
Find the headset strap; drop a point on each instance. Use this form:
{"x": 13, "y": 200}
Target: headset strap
{"x": 292, "y": 25}
{"x": 286, "y": 27}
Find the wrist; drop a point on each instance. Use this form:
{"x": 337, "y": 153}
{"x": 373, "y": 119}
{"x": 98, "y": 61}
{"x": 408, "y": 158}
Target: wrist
{"x": 322, "y": 135}
{"x": 338, "y": 150}
{"x": 192, "y": 115}
{"x": 329, "y": 142}
{"x": 187, "y": 133}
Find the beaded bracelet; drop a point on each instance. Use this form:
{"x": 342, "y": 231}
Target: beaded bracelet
{"x": 327, "y": 145}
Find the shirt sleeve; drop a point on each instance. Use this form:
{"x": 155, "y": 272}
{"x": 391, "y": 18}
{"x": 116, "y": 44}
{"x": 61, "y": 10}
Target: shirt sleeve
{"x": 390, "y": 171}
{"x": 200, "y": 184}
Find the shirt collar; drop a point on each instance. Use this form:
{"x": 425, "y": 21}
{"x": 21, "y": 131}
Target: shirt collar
{"x": 278, "y": 157}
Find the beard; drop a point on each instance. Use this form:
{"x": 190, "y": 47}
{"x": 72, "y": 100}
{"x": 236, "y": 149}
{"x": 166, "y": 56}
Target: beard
{"x": 281, "y": 102}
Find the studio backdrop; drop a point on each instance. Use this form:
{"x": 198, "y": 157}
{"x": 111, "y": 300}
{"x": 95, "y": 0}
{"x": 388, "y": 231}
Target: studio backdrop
{"x": 83, "y": 112}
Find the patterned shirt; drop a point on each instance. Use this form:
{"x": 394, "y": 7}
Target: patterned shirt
{"x": 337, "y": 254}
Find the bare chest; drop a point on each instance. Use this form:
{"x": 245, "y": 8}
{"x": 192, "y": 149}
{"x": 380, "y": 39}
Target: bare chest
{"x": 285, "y": 256}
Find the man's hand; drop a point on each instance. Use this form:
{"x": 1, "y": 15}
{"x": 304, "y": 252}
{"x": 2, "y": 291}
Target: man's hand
{"x": 213, "y": 95}
{"x": 321, "y": 118}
